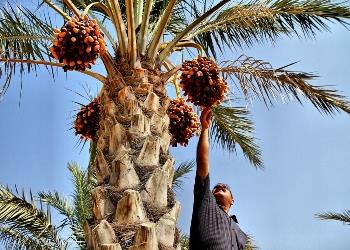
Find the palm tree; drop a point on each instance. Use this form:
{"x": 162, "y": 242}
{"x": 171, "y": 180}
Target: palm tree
{"x": 133, "y": 206}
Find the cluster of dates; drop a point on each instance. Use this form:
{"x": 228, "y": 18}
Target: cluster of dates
{"x": 183, "y": 122}
{"x": 201, "y": 82}
{"x": 87, "y": 121}
{"x": 203, "y": 86}
{"x": 78, "y": 43}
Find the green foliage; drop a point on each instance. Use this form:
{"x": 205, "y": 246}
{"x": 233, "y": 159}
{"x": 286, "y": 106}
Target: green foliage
{"x": 258, "y": 79}
{"x": 23, "y": 36}
{"x": 23, "y": 225}
{"x": 232, "y": 126}
{"x": 257, "y": 21}
{"x": 183, "y": 169}
{"x": 184, "y": 242}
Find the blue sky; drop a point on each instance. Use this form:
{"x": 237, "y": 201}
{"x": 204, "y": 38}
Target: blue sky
{"x": 306, "y": 154}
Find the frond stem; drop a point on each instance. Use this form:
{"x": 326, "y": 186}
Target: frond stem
{"x": 97, "y": 76}
{"x": 72, "y": 7}
{"x": 57, "y": 9}
{"x": 164, "y": 54}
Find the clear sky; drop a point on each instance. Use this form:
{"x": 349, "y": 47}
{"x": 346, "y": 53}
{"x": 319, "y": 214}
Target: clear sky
{"x": 306, "y": 154}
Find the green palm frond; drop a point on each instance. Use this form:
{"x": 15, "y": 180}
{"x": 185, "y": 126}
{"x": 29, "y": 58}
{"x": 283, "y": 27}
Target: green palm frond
{"x": 81, "y": 196}
{"x": 61, "y": 204}
{"x": 82, "y": 202}
{"x": 26, "y": 219}
{"x": 23, "y": 36}
{"x": 245, "y": 24}
{"x": 184, "y": 241}
{"x": 250, "y": 245}
{"x": 258, "y": 79}
{"x": 77, "y": 211}
{"x": 181, "y": 171}
{"x": 343, "y": 217}
{"x": 11, "y": 239}
{"x": 232, "y": 126}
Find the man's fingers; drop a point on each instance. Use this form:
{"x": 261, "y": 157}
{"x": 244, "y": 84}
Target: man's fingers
{"x": 206, "y": 111}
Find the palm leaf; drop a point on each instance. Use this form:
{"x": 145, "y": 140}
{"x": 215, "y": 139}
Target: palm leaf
{"x": 250, "y": 245}
{"x": 258, "y": 79}
{"x": 343, "y": 217}
{"x": 61, "y": 204}
{"x": 184, "y": 241}
{"x": 232, "y": 126}
{"x": 23, "y": 36}
{"x": 245, "y": 24}
{"x": 183, "y": 169}
{"x": 26, "y": 219}
{"x": 81, "y": 195}
{"x": 11, "y": 239}
{"x": 82, "y": 202}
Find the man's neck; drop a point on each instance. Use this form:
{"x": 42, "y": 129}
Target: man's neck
{"x": 225, "y": 208}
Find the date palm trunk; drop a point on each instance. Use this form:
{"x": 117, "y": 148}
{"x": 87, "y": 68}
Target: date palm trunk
{"x": 133, "y": 205}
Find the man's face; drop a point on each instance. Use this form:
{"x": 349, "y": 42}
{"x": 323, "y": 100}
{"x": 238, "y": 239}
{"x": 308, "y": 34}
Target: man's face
{"x": 223, "y": 195}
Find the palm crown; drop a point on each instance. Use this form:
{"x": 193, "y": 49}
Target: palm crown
{"x": 140, "y": 26}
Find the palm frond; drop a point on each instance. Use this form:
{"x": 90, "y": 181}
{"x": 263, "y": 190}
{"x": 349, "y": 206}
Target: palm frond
{"x": 11, "y": 239}
{"x": 23, "y": 35}
{"x": 83, "y": 183}
{"x": 245, "y": 24}
{"x": 258, "y": 79}
{"x": 159, "y": 30}
{"x": 232, "y": 126}
{"x": 177, "y": 21}
{"x": 188, "y": 30}
{"x": 184, "y": 241}
{"x": 250, "y": 245}
{"x": 81, "y": 196}
{"x": 181, "y": 171}
{"x": 82, "y": 4}
{"x": 26, "y": 219}
{"x": 343, "y": 217}
{"x": 61, "y": 204}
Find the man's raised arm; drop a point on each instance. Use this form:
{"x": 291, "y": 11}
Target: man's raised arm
{"x": 203, "y": 145}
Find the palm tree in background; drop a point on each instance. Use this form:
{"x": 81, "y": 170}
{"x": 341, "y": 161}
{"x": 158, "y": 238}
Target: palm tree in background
{"x": 342, "y": 217}
{"x": 133, "y": 205}
{"x": 28, "y": 225}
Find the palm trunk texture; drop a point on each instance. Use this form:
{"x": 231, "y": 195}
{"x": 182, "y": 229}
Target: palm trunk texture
{"x": 133, "y": 205}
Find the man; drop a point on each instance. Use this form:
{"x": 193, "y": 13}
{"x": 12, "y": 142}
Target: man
{"x": 211, "y": 226}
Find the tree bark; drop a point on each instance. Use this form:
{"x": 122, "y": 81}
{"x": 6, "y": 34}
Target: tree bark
{"x": 133, "y": 205}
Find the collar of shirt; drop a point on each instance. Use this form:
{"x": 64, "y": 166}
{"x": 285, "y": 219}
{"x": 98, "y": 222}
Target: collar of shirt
{"x": 233, "y": 217}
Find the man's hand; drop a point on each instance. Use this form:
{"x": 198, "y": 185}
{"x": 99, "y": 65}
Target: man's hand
{"x": 206, "y": 118}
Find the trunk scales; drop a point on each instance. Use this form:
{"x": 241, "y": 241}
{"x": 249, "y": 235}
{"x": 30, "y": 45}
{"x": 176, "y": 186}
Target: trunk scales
{"x": 133, "y": 205}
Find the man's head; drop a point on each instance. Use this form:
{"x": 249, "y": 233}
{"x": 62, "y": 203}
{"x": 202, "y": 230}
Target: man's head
{"x": 223, "y": 195}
